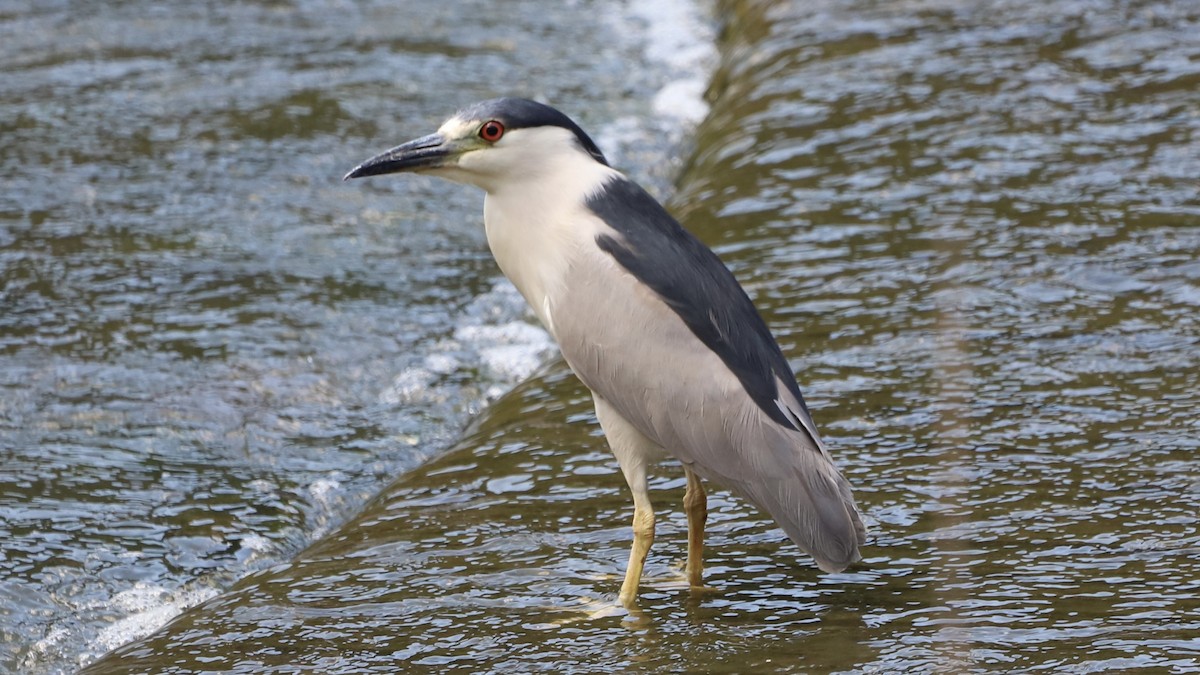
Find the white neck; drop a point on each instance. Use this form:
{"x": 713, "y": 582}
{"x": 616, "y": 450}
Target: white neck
{"x": 536, "y": 220}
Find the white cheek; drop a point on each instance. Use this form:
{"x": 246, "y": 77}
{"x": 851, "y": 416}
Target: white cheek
{"x": 478, "y": 160}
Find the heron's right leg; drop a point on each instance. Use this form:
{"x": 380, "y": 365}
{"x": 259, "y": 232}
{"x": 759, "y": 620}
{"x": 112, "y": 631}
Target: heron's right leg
{"x": 643, "y": 536}
{"x": 633, "y": 451}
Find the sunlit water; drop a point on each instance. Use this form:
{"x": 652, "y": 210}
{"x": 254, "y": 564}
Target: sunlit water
{"x": 974, "y": 228}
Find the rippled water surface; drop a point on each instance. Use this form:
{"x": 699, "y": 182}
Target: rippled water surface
{"x": 212, "y": 350}
{"x": 974, "y": 227}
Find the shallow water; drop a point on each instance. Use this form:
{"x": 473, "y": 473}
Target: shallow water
{"x": 973, "y": 227}
{"x": 212, "y": 351}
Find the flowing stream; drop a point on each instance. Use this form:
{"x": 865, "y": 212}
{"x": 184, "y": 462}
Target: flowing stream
{"x": 231, "y": 383}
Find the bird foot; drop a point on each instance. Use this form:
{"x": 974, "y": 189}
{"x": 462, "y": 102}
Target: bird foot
{"x": 590, "y": 609}
{"x": 679, "y": 575}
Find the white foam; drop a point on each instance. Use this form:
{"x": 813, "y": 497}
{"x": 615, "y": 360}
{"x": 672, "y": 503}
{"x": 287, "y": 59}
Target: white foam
{"x": 677, "y": 35}
{"x": 323, "y": 490}
{"x": 328, "y": 496}
{"x": 509, "y": 352}
{"x": 495, "y": 335}
{"x": 676, "y": 39}
{"x": 681, "y": 40}
{"x": 682, "y": 99}
{"x": 253, "y": 547}
{"x": 411, "y": 385}
{"x": 146, "y": 608}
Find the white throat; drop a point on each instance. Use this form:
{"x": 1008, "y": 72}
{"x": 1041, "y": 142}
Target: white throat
{"x": 536, "y": 214}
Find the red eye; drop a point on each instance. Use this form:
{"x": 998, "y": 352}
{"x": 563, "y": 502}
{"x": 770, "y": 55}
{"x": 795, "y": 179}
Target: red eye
{"x": 491, "y": 131}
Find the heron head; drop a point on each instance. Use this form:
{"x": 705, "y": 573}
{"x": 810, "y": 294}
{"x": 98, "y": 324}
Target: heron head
{"x": 489, "y": 143}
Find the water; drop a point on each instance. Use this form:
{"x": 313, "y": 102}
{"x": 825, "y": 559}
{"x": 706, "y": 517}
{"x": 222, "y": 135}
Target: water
{"x": 973, "y": 227}
{"x": 213, "y": 351}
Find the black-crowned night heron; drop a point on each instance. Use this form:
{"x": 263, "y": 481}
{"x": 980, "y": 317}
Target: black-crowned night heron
{"x": 678, "y": 360}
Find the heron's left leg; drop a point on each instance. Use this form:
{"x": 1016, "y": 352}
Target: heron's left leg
{"x": 695, "y": 504}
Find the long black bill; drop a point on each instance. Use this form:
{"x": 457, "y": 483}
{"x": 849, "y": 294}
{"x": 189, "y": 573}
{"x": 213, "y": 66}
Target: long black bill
{"x": 424, "y": 152}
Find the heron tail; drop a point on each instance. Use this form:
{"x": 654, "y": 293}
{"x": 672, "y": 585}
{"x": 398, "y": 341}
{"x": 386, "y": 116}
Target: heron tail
{"x": 811, "y": 501}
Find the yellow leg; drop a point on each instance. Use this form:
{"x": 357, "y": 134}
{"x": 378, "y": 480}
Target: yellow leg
{"x": 695, "y": 504}
{"x": 643, "y": 536}
{"x": 632, "y": 449}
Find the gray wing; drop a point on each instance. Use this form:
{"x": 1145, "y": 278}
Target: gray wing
{"x": 721, "y": 405}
